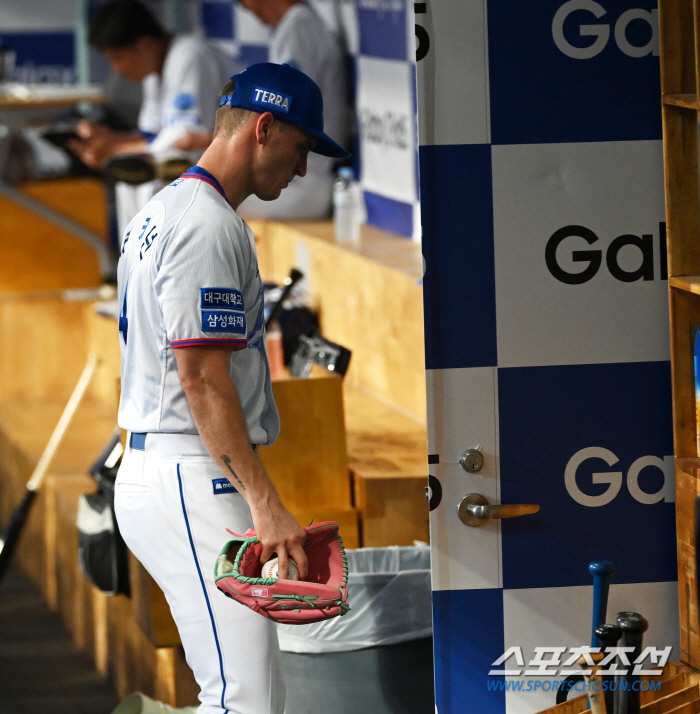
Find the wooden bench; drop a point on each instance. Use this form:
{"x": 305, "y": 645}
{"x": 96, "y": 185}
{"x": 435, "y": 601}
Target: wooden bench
{"x": 369, "y": 300}
{"x": 45, "y": 341}
{"x": 387, "y": 455}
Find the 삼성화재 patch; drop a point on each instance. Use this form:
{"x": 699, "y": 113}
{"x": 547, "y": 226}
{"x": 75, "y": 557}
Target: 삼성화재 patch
{"x": 223, "y": 321}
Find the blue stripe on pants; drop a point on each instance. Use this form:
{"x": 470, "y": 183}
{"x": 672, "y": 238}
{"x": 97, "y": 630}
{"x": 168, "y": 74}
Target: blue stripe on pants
{"x": 204, "y": 590}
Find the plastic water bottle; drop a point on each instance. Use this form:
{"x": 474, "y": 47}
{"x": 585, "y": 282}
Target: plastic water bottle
{"x": 346, "y": 206}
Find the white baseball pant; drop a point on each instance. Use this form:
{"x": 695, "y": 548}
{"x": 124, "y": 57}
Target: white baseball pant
{"x": 175, "y": 525}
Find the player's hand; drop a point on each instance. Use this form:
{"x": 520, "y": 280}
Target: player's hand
{"x": 89, "y": 129}
{"x": 93, "y": 151}
{"x": 279, "y": 533}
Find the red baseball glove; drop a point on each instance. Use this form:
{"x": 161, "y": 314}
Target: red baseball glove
{"x": 321, "y": 596}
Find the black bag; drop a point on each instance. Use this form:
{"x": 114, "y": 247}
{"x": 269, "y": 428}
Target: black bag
{"x": 102, "y": 552}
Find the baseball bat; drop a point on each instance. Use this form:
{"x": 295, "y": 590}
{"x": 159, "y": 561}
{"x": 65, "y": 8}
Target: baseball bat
{"x": 602, "y": 571}
{"x": 633, "y": 627}
{"x": 294, "y": 277}
{"x": 608, "y": 636}
{"x": 11, "y": 533}
{"x": 594, "y": 684}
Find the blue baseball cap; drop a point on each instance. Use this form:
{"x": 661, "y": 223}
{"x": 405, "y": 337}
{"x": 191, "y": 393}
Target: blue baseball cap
{"x": 289, "y": 95}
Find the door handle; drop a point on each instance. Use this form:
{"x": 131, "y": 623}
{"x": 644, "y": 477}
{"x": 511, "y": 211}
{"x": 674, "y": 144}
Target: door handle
{"x": 474, "y": 510}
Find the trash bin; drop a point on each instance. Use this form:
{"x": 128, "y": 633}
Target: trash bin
{"x": 378, "y": 658}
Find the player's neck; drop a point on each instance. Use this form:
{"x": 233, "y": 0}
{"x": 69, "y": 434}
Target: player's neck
{"x": 229, "y": 163}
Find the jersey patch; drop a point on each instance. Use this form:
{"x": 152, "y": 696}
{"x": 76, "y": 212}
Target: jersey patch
{"x": 222, "y": 297}
{"x": 223, "y": 485}
{"x": 184, "y": 101}
{"x": 271, "y": 100}
{"x": 223, "y": 321}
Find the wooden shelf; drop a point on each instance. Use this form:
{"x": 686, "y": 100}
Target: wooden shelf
{"x": 688, "y": 465}
{"x": 688, "y": 283}
{"x": 684, "y": 101}
{"x": 680, "y": 88}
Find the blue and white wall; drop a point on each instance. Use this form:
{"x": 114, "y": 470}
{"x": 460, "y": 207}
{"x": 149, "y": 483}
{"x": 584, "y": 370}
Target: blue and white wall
{"x": 41, "y": 34}
{"x": 546, "y": 316}
{"x": 379, "y": 37}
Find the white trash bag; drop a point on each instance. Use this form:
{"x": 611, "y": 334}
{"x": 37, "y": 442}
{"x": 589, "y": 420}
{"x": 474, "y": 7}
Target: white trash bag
{"x": 390, "y": 602}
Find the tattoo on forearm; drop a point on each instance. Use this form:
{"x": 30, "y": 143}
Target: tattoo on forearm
{"x": 227, "y": 461}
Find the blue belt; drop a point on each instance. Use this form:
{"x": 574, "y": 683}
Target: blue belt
{"x": 138, "y": 441}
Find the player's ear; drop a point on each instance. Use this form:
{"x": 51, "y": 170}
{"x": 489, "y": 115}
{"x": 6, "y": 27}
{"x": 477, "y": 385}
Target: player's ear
{"x": 263, "y": 128}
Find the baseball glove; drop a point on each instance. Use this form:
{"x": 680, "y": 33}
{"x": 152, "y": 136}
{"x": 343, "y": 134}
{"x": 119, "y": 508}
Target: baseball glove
{"x": 321, "y": 596}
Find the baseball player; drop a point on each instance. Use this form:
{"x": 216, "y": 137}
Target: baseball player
{"x": 196, "y": 394}
{"x": 180, "y": 77}
{"x": 300, "y": 38}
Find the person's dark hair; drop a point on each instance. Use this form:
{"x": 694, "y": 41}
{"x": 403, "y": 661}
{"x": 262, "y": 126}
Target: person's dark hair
{"x": 121, "y": 23}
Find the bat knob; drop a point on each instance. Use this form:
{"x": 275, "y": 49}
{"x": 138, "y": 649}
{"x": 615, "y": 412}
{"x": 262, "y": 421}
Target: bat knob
{"x": 608, "y": 635}
{"x": 632, "y": 622}
{"x": 602, "y": 567}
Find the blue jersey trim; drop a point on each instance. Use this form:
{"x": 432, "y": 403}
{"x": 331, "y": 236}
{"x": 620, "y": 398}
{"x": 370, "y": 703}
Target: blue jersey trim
{"x": 204, "y": 589}
{"x": 197, "y": 172}
{"x": 209, "y": 340}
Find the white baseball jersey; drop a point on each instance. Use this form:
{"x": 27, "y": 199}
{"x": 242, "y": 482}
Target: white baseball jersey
{"x": 303, "y": 41}
{"x": 188, "y": 275}
{"x": 185, "y": 96}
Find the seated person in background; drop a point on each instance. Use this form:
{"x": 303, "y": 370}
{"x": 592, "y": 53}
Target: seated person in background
{"x": 180, "y": 76}
{"x": 302, "y": 40}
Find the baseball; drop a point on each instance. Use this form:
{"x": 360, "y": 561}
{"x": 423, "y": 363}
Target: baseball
{"x": 269, "y": 570}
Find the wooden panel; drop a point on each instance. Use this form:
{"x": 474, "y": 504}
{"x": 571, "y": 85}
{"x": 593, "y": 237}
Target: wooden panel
{"x": 685, "y": 319}
{"x": 681, "y": 186}
{"x": 150, "y": 608}
{"x": 381, "y": 440}
{"x": 668, "y": 686}
{"x": 688, "y": 283}
{"x": 308, "y": 463}
{"x": 677, "y": 47}
{"x": 35, "y": 254}
{"x": 346, "y": 518}
{"x": 393, "y": 511}
{"x": 687, "y": 490}
{"x": 371, "y": 283}
{"x": 672, "y": 701}
{"x": 80, "y": 199}
{"x": 691, "y": 708}
{"x": 687, "y": 101}
{"x": 103, "y": 340}
{"x": 577, "y": 705}
{"x": 43, "y": 348}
